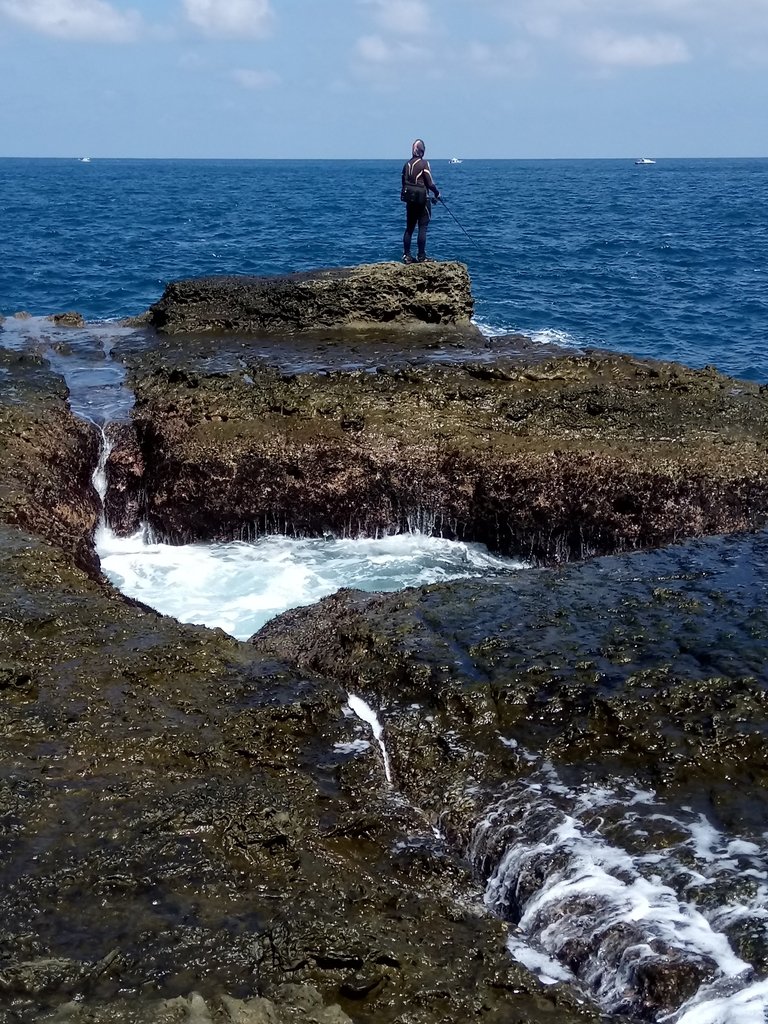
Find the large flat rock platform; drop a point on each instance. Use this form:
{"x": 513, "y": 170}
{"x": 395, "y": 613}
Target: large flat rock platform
{"x": 370, "y": 294}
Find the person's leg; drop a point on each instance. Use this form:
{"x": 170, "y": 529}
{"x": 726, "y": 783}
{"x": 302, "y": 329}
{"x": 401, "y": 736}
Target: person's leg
{"x": 424, "y": 216}
{"x": 411, "y": 217}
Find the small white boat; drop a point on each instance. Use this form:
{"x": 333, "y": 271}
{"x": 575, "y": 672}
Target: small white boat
{"x": 644, "y": 160}
{"x": 85, "y": 159}
{"x": 454, "y": 160}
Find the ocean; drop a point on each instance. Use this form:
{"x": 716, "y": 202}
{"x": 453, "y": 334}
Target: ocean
{"x": 667, "y": 260}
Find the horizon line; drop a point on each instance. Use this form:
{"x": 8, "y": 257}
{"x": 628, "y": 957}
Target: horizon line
{"x": 363, "y": 159}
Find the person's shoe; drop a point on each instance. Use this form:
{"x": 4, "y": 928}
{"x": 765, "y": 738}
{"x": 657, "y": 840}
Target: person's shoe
{"x": 407, "y": 258}
{"x": 425, "y": 259}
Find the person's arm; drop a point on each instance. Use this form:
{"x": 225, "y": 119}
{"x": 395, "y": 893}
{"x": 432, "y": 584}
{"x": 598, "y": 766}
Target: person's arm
{"x": 429, "y": 180}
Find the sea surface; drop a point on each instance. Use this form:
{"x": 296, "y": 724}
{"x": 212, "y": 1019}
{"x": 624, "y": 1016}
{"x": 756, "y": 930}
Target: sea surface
{"x": 667, "y": 260}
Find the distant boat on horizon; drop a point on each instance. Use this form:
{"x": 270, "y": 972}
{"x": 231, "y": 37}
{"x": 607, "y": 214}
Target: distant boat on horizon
{"x": 85, "y": 159}
{"x": 644, "y": 160}
{"x": 454, "y": 160}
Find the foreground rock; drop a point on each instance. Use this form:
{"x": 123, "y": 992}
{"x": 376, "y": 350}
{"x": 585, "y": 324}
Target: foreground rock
{"x": 552, "y": 460}
{"x": 576, "y": 719}
{"x": 380, "y": 294}
{"x": 185, "y": 826}
{"x": 190, "y": 824}
{"x": 47, "y": 456}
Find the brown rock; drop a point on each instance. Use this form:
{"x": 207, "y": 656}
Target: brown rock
{"x": 69, "y": 319}
{"x": 381, "y": 293}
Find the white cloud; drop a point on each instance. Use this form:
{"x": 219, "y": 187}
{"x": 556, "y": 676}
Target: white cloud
{"x": 636, "y": 51}
{"x": 504, "y": 61}
{"x": 401, "y": 17}
{"x": 250, "y": 78}
{"x": 377, "y": 50}
{"x": 639, "y": 33}
{"x": 238, "y": 18}
{"x": 75, "y": 19}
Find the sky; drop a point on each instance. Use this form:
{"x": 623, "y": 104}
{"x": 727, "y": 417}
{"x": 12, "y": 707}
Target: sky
{"x": 344, "y": 79}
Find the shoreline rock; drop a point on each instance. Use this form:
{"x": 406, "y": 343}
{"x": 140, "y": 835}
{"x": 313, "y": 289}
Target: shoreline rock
{"x": 388, "y": 294}
{"x": 546, "y": 459}
{"x": 187, "y": 814}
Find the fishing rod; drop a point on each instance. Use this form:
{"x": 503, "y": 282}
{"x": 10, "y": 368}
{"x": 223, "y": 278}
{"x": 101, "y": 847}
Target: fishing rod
{"x": 472, "y": 240}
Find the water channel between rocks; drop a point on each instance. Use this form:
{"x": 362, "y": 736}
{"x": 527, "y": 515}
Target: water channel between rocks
{"x": 603, "y": 883}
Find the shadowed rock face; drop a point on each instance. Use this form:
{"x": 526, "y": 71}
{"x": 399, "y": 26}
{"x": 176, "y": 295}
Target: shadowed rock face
{"x": 47, "y": 457}
{"x": 381, "y": 293}
{"x": 552, "y": 460}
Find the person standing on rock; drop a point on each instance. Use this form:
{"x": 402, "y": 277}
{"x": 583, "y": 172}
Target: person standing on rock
{"x": 416, "y": 186}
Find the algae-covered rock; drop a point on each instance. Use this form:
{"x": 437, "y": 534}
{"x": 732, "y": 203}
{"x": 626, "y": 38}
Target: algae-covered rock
{"x": 68, "y": 319}
{"x": 551, "y": 460}
{"x": 47, "y": 456}
{"x": 382, "y": 293}
{"x": 182, "y": 815}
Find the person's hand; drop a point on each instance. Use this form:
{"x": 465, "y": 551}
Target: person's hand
{"x": 437, "y": 197}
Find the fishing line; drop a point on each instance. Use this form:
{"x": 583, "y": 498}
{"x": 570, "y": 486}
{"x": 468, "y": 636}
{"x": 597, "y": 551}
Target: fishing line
{"x": 472, "y": 240}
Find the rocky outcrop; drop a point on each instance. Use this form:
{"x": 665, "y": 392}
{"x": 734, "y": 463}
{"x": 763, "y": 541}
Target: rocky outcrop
{"x": 622, "y": 701}
{"x": 194, "y": 830}
{"x": 47, "y": 456}
{"x": 387, "y": 294}
{"x": 573, "y": 456}
{"x": 68, "y": 319}
{"x": 184, "y": 815}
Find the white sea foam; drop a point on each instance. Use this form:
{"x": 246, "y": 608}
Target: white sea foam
{"x": 99, "y": 477}
{"x": 588, "y": 888}
{"x": 240, "y": 586}
{"x": 552, "y": 336}
{"x": 547, "y": 970}
{"x": 366, "y": 714}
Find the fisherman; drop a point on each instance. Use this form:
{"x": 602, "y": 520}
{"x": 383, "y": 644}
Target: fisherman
{"x": 417, "y": 183}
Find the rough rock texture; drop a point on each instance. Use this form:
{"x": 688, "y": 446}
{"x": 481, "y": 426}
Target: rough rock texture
{"x": 644, "y": 676}
{"x": 185, "y": 826}
{"x": 379, "y": 293}
{"x": 552, "y": 460}
{"x": 47, "y": 456}
{"x": 183, "y": 815}
{"x": 290, "y": 1004}
{"x": 188, "y": 825}
{"x": 68, "y": 319}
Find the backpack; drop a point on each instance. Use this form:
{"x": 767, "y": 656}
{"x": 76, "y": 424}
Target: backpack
{"x": 412, "y": 192}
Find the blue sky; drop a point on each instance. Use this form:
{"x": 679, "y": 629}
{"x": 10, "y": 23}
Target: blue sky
{"x": 361, "y": 78}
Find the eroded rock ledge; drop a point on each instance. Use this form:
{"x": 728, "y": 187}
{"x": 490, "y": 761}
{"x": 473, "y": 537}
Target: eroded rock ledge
{"x": 379, "y": 293}
{"x": 552, "y": 460}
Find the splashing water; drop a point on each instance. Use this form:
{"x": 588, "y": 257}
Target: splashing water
{"x": 366, "y": 714}
{"x": 239, "y": 586}
{"x": 624, "y": 922}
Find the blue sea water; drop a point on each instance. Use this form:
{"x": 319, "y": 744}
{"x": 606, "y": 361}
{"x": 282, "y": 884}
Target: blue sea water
{"x": 669, "y": 260}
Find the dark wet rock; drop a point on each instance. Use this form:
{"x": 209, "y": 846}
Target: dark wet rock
{"x": 69, "y": 319}
{"x": 183, "y": 827}
{"x": 124, "y": 501}
{"x": 141, "y": 320}
{"x": 647, "y": 668}
{"x": 40, "y": 977}
{"x": 550, "y": 460}
{"x": 177, "y": 818}
{"x": 380, "y": 293}
{"x": 47, "y": 456}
